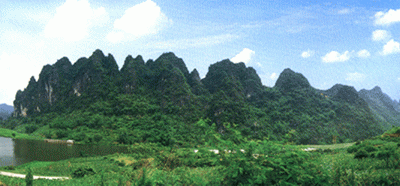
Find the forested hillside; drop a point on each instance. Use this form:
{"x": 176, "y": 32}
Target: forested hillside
{"x": 161, "y": 101}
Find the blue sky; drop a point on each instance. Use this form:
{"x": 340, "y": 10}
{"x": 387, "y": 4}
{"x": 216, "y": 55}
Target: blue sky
{"x": 354, "y": 43}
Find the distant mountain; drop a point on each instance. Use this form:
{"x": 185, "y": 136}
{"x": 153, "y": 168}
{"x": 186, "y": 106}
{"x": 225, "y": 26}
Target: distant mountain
{"x": 160, "y": 100}
{"x": 5, "y": 110}
{"x": 384, "y": 108}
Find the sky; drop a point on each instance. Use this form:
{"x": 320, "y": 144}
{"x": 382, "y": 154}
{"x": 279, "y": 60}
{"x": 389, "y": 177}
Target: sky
{"x": 354, "y": 43}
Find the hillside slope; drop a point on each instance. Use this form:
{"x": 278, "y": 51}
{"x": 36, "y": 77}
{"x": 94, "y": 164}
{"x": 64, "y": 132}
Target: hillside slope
{"x": 161, "y": 101}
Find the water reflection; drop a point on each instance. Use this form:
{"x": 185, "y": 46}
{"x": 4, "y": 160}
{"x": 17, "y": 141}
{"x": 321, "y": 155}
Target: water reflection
{"x": 17, "y": 151}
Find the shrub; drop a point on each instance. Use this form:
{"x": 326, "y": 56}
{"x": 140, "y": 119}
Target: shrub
{"x": 97, "y": 137}
{"x": 61, "y": 134}
{"x": 29, "y": 178}
{"x": 360, "y": 154}
{"x": 30, "y": 128}
{"x": 79, "y": 136}
{"x": 82, "y": 171}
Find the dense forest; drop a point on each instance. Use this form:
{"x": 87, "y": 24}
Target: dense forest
{"x": 160, "y": 101}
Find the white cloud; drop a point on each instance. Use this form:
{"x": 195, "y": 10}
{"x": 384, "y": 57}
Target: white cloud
{"x": 387, "y": 18}
{"x": 244, "y": 56}
{"x": 355, "y": 77}
{"x": 195, "y": 42}
{"x": 274, "y": 76}
{"x": 140, "y": 20}
{"x": 363, "y": 53}
{"x": 380, "y": 35}
{"x": 73, "y": 20}
{"x": 307, "y": 54}
{"x": 14, "y": 74}
{"x": 344, "y": 11}
{"x": 335, "y": 56}
{"x": 391, "y": 47}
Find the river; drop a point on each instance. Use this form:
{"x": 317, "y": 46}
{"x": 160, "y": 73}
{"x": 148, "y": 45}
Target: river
{"x": 20, "y": 151}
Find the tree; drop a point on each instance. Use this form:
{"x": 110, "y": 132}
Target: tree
{"x": 29, "y": 178}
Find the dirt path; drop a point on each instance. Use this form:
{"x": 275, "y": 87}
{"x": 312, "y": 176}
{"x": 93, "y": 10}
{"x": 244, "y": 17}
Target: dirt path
{"x": 34, "y": 177}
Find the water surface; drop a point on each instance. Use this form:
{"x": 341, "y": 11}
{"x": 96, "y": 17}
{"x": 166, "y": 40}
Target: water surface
{"x": 20, "y": 151}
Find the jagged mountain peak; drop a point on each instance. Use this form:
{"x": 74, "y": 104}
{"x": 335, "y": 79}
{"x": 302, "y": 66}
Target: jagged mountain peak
{"x": 132, "y": 63}
{"x": 377, "y": 90}
{"x": 171, "y": 58}
{"x": 289, "y": 80}
{"x": 195, "y": 75}
{"x": 220, "y": 73}
{"x": 97, "y": 54}
{"x": 349, "y": 94}
{"x": 63, "y": 63}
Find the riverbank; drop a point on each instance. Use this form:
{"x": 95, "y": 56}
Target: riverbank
{"x": 8, "y": 133}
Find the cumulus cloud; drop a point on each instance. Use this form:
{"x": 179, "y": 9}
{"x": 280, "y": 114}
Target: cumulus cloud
{"x": 73, "y": 20}
{"x": 391, "y": 47}
{"x": 244, "y": 56}
{"x": 274, "y": 76}
{"x": 380, "y": 35}
{"x": 355, "y": 77}
{"x": 363, "y": 53}
{"x": 335, "y": 56}
{"x": 307, "y": 54}
{"x": 387, "y": 18}
{"x": 13, "y": 76}
{"x": 140, "y": 20}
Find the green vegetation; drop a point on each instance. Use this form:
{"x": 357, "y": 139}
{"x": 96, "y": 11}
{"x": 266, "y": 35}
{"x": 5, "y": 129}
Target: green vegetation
{"x": 14, "y": 134}
{"x": 247, "y": 163}
{"x": 163, "y": 113}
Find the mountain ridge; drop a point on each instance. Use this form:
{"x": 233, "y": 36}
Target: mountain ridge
{"x": 230, "y": 93}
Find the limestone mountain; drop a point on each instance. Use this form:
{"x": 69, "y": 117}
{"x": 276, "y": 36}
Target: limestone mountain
{"x": 384, "y": 108}
{"x": 289, "y": 80}
{"x": 161, "y": 101}
{"x": 235, "y": 78}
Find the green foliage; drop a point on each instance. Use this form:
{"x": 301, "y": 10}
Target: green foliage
{"x": 362, "y": 153}
{"x": 83, "y": 171}
{"x": 29, "y": 178}
{"x": 31, "y": 128}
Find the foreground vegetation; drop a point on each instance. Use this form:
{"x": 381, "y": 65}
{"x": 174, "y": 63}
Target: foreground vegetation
{"x": 370, "y": 162}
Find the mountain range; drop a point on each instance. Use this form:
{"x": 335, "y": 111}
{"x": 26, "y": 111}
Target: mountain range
{"x": 230, "y": 94}
{"x": 5, "y": 110}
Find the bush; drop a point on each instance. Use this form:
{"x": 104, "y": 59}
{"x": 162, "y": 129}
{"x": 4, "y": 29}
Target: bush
{"x": 97, "y": 137}
{"x": 61, "y": 134}
{"x": 79, "y": 136}
{"x": 360, "y": 154}
{"x": 29, "y": 129}
{"x": 82, "y": 171}
{"x": 29, "y": 178}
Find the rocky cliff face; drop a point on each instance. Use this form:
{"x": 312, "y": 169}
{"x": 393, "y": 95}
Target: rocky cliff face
{"x": 63, "y": 85}
{"x": 60, "y": 83}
